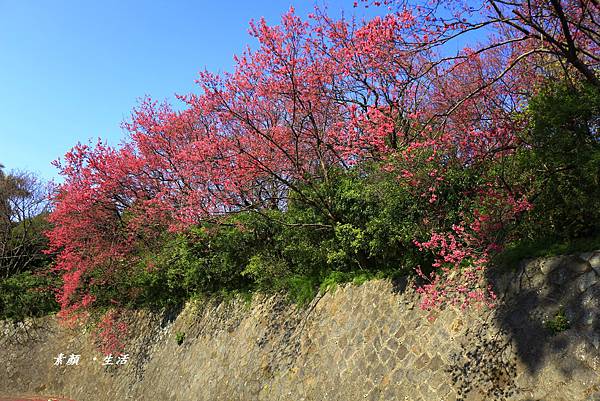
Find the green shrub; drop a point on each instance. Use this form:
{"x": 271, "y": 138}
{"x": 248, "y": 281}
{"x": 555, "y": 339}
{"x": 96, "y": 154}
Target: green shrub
{"x": 558, "y": 323}
{"x": 560, "y": 163}
{"x": 179, "y": 337}
{"x": 300, "y": 289}
{"x": 293, "y": 250}
{"x": 26, "y": 295}
{"x": 543, "y": 247}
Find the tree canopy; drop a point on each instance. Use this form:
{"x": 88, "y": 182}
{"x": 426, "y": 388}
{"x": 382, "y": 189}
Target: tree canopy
{"x": 340, "y": 145}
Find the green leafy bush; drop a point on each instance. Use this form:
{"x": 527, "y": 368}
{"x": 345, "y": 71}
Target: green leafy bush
{"x": 560, "y": 162}
{"x": 558, "y": 323}
{"x": 26, "y": 295}
{"x": 369, "y": 229}
{"x": 179, "y": 337}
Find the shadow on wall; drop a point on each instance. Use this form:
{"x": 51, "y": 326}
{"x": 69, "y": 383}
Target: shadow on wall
{"x": 24, "y": 333}
{"x": 550, "y": 312}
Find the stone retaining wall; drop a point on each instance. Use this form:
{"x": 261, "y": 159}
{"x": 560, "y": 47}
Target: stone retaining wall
{"x": 368, "y": 342}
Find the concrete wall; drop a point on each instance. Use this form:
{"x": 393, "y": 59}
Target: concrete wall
{"x": 368, "y": 342}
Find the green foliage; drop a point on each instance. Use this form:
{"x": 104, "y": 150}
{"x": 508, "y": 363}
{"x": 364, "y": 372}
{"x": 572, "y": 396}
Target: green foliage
{"x": 26, "y": 295}
{"x": 543, "y": 247}
{"x": 179, "y": 337}
{"x": 561, "y": 163}
{"x": 208, "y": 259}
{"x": 300, "y": 289}
{"x": 369, "y": 228}
{"x": 331, "y": 282}
{"x": 28, "y": 235}
{"x": 23, "y": 221}
{"x": 264, "y": 269}
{"x": 558, "y": 323}
{"x": 26, "y": 285}
{"x": 374, "y": 225}
{"x": 357, "y": 277}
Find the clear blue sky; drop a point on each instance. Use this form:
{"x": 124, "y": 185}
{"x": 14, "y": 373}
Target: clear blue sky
{"x": 72, "y": 70}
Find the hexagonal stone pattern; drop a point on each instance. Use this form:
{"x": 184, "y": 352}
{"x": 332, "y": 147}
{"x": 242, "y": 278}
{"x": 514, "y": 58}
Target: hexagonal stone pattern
{"x": 368, "y": 342}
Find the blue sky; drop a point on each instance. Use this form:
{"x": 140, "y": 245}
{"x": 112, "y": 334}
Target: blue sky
{"x": 71, "y": 70}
